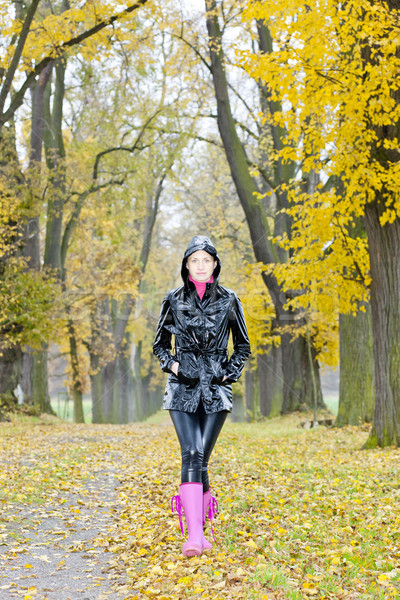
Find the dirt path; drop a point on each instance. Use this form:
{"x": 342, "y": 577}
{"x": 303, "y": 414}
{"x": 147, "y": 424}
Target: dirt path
{"x": 53, "y": 548}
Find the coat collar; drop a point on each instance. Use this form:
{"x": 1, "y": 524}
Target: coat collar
{"x": 190, "y": 289}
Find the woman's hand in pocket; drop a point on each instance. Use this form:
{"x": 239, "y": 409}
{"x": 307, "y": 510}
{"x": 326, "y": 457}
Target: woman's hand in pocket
{"x": 174, "y": 368}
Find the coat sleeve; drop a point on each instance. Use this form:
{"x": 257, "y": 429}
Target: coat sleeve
{"x": 241, "y": 343}
{"x": 162, "y": 342}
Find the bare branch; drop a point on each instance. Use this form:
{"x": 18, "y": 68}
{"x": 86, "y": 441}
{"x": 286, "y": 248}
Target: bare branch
{"x": 195, "y": 50}
{"x": 124, "y": 148}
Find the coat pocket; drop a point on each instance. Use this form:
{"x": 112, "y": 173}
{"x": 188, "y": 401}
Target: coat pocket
{"x": 218, "y": 366}
{"x": 188, "y": 371}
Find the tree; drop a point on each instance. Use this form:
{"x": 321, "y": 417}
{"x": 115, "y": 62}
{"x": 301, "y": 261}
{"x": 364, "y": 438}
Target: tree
{"x": 32, "y": 41}
{"x": 337, "y": 71}
{"x": 297, "y": 372}
{"x": 148, "y": 132}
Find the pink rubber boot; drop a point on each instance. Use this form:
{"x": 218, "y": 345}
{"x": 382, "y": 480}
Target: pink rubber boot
{"x": 210, "y": 507}
{"x": 191, "y": 499}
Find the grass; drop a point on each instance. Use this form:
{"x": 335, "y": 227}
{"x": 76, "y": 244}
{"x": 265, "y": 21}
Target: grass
{"x": 64, "y": 407}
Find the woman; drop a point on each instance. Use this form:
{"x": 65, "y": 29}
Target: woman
{"x": 200, "y": 314}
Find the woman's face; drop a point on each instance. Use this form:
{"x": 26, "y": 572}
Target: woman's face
{"x": 201, "y": 265}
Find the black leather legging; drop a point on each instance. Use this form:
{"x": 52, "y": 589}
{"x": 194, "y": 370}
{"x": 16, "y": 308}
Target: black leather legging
{"x": 197, "y": 433}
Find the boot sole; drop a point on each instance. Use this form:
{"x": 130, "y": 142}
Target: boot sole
{"x": 192, "y": 550}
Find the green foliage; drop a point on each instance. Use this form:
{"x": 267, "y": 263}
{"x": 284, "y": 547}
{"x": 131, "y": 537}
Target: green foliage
{"x": 29, "y": 302}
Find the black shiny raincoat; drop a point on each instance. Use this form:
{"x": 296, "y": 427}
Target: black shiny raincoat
{"x": 201, "y": 329}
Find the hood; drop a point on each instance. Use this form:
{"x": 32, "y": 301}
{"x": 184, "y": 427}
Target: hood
{"x": 200, "y": 242}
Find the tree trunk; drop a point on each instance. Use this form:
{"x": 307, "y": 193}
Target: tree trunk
{"x": 252, "y": 393}
{"x": 10, "y": 369}
{"x": 357, "y": 378}
{"x": 40, "y": 389}
{"x": 55, "y": 157}
{"x": 108, "y": 384}
{"x": 126, "y": 386}
{"x": 237, "y": 414}
{"x": 138, "y": 384}
{"x": 297, "y": 377}
{"x": 298, "y": 391}
{"x": 384, "y": 254}
{"x": 269, "y": 365}
{"x": 96, "y": 390}
{"x": 76, "y": 380}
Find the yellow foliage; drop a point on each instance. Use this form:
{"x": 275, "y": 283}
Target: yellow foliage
{"x": 334, "y": 69}
{"x": 49, "y": 33}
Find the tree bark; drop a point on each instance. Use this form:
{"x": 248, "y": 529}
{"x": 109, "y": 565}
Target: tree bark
{"x": 269, "y": 365}
{"x": 384, "y": 254}
{"x": 252, "y": 392}
{"x": 76, "y": 380}
{"x": 298, "y": 391}
{"x": 237, "y": 414}
{"x": 10, "y": 369}
{"x": 40, "y": 389}
{"x": 55, "y": 155}
{"x": 96, "y": 390}
{"x": 138, "y": 384}
{"x": 357, "y": 380}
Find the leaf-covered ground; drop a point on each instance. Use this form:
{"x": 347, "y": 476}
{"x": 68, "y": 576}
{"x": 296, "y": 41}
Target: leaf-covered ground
{"x": 84, "y": 513}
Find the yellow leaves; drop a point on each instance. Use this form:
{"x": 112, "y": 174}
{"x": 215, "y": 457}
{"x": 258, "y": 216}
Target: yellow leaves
{"x": 50, "y": 32}
{"x": 251, "y": 544}
{"x": 219, "y": 586}
{"x": 309, "y": 588}
{"x": 293, "y": 531}
{"x": 157, "y": 570}
{"x": 334, "y": 106}
{"x": 185, "y": 580}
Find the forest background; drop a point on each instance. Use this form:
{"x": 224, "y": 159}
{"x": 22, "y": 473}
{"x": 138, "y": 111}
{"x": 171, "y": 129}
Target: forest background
{"x": 128, "y": 127}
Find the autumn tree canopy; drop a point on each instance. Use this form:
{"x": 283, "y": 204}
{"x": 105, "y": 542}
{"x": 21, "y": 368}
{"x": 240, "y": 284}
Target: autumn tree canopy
{"x": 335, "y": 69}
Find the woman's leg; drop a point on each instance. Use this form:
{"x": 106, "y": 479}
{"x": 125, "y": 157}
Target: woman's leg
{"x": 211, "y": 425}
{"x": 188, "y": 430}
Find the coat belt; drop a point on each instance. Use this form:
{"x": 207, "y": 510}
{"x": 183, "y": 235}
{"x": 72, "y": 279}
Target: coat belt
{"x": 203, "y": 351}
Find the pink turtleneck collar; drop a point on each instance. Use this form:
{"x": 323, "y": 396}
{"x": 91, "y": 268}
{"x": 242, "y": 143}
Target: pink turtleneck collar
{"x": 201, "y": 285}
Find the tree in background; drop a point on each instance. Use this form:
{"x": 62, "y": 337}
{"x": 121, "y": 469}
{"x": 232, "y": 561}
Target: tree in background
{"x": 130, "y": 135}
{"x": 261, "y": 199}
{"x": 32, "y": 42}
{"x": 337, "y": 72}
